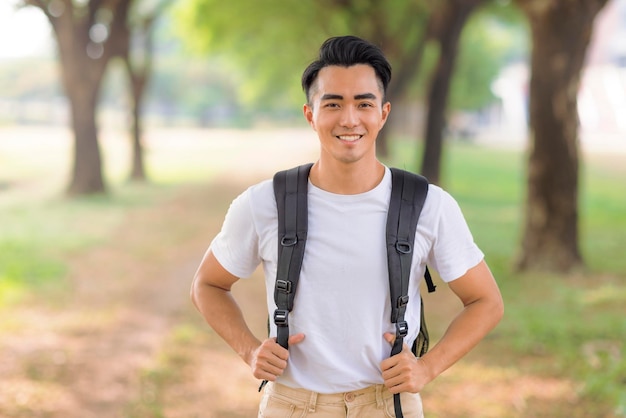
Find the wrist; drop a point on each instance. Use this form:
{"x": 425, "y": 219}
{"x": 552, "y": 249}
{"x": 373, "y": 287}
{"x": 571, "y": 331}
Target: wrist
{"x": 248, "y": 349}
{"x": 429, "y": 371}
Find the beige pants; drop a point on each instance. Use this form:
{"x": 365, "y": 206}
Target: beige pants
{"x": 280, "y": 401}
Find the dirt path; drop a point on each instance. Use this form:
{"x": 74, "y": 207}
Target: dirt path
{"x": 124, "y": 340}
{"x": 88, "y": 355}
{"x": 127, "y": 343}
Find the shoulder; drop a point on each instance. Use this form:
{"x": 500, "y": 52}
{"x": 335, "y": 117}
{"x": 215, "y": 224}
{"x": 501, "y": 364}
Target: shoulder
{"x": 261, "y": 192}
{"x": 256, "y": 198}
{"x": 439, "y": 196}
{"x": 440, "y": 205}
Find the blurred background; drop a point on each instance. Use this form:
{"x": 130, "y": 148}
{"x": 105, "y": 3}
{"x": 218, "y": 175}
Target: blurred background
{"x": 128, "y": 126}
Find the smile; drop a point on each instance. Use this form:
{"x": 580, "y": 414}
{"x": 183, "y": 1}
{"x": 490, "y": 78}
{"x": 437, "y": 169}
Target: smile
{"x": 349, "y": 138}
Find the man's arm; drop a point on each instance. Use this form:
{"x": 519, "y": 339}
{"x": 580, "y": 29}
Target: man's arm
{"x": 211, "y": 294}
{"x": 482, "y": 310}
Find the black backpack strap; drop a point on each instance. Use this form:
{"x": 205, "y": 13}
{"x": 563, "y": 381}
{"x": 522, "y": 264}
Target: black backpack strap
{"x": 290, "y": 190}
{"x": 408, "y": 193}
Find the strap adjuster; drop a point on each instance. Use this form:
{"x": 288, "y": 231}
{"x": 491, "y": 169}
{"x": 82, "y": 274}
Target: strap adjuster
{"x": 289, "y": 241}
{"x": 281, "y": 317}
{"x": 283, "y": 286}
{"x": 403, "y": 301}
{"x": 402, "y": 329}
{"x": 403, "y": 247}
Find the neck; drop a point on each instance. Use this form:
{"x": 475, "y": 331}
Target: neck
{"x": 347, "y": 178}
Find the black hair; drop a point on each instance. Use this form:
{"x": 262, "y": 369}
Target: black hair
{"x": 346, "y": 51}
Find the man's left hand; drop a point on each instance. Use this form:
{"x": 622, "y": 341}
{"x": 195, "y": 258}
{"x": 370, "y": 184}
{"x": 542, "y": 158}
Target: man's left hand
{"x": 404, "y": 372}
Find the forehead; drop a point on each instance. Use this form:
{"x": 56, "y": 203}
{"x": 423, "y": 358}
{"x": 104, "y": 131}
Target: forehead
{"x": 347, "y": 81}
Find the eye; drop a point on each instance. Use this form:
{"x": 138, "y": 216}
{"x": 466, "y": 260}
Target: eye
{"x": 366, "y": 104}
{"x": 331, "y": 105}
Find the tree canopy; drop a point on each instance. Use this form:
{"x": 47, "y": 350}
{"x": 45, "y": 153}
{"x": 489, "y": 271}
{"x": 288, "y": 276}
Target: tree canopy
{"x": 267, "y": 45}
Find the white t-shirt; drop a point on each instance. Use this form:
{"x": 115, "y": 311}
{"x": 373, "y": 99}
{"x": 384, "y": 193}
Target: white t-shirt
{"x": 342, "y": 302}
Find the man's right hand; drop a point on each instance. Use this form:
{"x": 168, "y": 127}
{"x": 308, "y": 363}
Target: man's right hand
{"x": 269, "y": 360}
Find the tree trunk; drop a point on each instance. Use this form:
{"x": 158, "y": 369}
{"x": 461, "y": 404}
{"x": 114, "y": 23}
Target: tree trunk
{"x": 82, "y": 76}
{"x": 138, "y": 172}
{"x": 404, "y": 48}
{"x": 561, "y": 31}
{"x": 83, "y": 62}
{"x": 139, "y": 71}
{"x": 87, "y": 164}
{"x": 450, "y": 20}
{"x": 409, "y": 65}
{"x": 138, "y": 81}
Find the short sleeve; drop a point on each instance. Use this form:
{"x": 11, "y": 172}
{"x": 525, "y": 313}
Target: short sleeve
{"x": 236, "y": 245}
{"x": 454, "y": 251}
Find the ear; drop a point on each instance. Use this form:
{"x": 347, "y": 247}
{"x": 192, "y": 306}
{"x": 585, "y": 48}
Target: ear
{"x": 308, "y": 114}
{"x": 385, "y": 113}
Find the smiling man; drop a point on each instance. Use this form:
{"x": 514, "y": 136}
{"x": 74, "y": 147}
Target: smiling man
{"x": 338, "y": 362}
{"x": 346, "y": 108}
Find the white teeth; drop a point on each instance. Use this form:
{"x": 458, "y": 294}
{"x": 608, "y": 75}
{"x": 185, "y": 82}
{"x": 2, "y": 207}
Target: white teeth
{"x": 350, "y": 138}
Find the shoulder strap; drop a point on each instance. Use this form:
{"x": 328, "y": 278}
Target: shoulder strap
{"x": 408, "y": 193}
{"x": 290, "y": 190}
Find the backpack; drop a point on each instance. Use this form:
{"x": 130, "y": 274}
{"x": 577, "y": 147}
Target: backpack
{"x": 408, "y": 193}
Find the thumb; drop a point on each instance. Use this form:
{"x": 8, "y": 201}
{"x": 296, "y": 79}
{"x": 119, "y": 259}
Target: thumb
{"x": 296, "y": 339}
{"x": 390, "y": 337}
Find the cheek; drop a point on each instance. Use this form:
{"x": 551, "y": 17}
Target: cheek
{"x": 321, "y": 121}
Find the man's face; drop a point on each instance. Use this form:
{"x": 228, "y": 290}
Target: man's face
{"x": 347, "y": 112}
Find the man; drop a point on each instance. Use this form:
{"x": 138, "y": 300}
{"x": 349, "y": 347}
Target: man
{"x": 338, "y": 362}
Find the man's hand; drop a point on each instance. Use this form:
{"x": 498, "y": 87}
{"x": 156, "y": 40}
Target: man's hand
{"x": 404, "y": 372}
{"x": 269, "y": 360}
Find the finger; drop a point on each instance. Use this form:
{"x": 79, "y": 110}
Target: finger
{"x": 269, "y": 365}
{"x": 389, "y": 337}
{"x": 388, "y": 363}
{"x": 296, "y": 339}
{"x": 271, "y": 348}
{"x": 264, "y": 369}
{"x": 272, "y": 369}
{"x": 393, "y": 388}
{"x": 393, "y": 381}
{"x": 272, "y": 353}
{"x": 266, "y": 375}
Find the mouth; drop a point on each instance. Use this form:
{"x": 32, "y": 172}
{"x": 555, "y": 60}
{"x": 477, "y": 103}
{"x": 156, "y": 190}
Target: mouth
{"x": 350, "y": 138}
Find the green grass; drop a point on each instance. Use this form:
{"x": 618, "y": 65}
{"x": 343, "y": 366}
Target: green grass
{"x": 572, "y": 325}
{"x": 39, "y": 235}
{"x": 169, "y": 366}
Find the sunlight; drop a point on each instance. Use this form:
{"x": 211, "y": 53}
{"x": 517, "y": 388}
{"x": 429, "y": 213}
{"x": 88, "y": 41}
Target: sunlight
{"x": 23, "y": 32}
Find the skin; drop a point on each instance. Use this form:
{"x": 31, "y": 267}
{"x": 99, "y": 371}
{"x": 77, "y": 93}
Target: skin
{"x": 482, "y": 310}
{"x": 347, "y": 111}
{"x": 346, "y": 103}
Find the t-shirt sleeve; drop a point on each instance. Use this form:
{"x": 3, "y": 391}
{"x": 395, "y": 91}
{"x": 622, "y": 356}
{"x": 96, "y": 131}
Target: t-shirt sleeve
{"x": 236, "y": 245}
{"x": 454, "y": 250}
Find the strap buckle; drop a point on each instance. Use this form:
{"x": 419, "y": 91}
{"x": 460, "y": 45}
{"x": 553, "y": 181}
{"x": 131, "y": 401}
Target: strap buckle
{"x": 403, "y": 301}
{"x": 289, "y": 241}
{"x": 402, "y": 329}
{"x": 283, "y": 286}
{"x": 281, "y": 317}
{"x": 403, "y": 247}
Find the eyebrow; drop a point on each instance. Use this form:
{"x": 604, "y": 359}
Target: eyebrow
{"x": 363, "y": 96}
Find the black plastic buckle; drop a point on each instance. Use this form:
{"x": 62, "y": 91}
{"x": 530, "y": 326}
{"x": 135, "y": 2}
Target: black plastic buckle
{"x": 289, "y": 241}
{"x": 403, "y": 247}
{"x": 402, "y": 329}
{"x": 283, "y": 286}
{"x": 403, "y": 301}
{"x": 280, "y": 317}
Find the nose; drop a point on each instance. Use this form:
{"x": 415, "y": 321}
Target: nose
{"x": 349, "y": 117}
